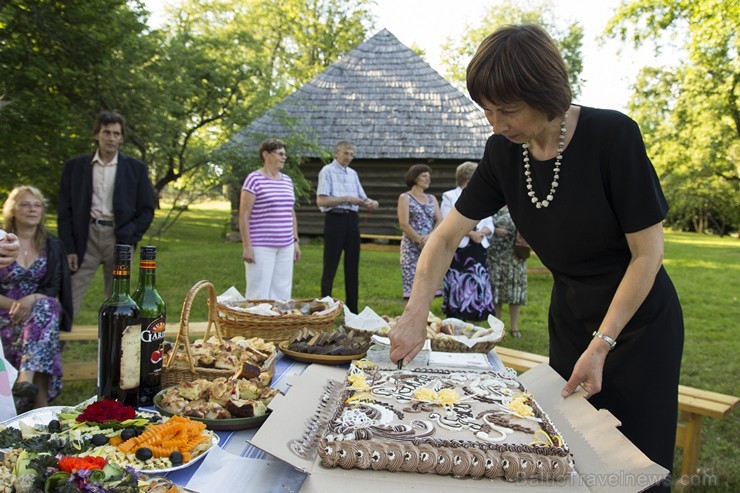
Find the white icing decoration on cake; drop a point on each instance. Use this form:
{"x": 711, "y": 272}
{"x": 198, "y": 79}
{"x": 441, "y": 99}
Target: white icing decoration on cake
{"x": 469, "y": 431}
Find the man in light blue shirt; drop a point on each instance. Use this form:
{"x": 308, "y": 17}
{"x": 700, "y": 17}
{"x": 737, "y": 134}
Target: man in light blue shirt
{"x": 339, "y": 196}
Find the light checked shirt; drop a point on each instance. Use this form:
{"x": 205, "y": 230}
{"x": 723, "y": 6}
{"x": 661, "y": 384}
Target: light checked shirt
{"x": 337, "y": 181}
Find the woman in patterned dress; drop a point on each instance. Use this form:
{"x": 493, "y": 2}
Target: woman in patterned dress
{"x": 35, "y": 301}
{"x": 418, "y": 214}
{"x": 508, "y": 272}
{"x": 467, "y": 284}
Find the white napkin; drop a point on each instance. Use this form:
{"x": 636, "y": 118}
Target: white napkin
{"x": 331, "y": 304}
{"x": 367, "y": 319}
{"x": 231, "y": 294}
{"x": 465, "y": 330}
{"x": 229, "y": 473}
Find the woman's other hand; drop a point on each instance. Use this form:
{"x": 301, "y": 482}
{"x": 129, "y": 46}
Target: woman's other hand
{"x": 248, "y": 254}
{"x": 476, "y": 236}
{"x": 9, "y": 248}
{"x": 587, "y": 372}
{"x": 296, "y": 252}
{"x": 20, "y": 310}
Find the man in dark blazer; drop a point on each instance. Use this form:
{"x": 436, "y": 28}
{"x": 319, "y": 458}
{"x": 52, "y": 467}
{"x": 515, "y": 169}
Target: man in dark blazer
{"x": 104, "y": 198}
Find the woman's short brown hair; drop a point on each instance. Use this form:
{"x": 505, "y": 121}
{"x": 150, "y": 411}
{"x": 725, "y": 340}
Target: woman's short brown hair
{"x": 413, "y": 173}
{"x": 520, "y": 63}
{"x": 271, "y": 145}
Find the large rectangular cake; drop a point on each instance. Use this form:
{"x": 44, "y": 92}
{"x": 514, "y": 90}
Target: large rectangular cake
{"x": 448, "y": 422}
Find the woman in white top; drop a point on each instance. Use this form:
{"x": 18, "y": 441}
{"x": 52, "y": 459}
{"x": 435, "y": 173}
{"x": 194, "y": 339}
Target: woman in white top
{"x": 467, "y": 284}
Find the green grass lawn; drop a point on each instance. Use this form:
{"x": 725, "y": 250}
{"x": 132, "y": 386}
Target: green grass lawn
{"x": 705, "y": 269}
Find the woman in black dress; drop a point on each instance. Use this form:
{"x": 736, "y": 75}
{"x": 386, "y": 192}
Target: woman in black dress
{"x": 582, "y": 190}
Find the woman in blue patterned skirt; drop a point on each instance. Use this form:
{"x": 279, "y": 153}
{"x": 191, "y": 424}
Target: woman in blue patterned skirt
{"x": 467, "y": 284}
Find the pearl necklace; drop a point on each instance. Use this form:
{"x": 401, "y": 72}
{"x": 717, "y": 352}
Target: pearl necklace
{"x": 556, "y": 170}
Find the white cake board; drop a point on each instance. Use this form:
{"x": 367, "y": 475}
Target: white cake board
{"x": 605, "y": 459}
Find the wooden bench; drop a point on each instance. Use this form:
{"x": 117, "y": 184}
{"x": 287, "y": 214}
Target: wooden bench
{"x": 380, "y": 243}
{"x": 694, "y": 405}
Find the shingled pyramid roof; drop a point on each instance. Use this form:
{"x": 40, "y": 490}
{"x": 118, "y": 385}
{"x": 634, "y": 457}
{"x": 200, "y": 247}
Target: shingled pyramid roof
{"x": 388, "y": 101}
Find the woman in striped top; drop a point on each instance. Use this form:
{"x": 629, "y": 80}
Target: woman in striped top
{"x": 268, "y": 225}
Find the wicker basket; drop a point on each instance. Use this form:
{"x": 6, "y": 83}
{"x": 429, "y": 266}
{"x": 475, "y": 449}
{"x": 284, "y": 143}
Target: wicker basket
{"x": 276, "y": 328}
{"x": 172, "y": 373}
{"x": 450, "y": 345}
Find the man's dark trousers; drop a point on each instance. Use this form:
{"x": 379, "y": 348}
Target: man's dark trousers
{"x": 342, "y": 233}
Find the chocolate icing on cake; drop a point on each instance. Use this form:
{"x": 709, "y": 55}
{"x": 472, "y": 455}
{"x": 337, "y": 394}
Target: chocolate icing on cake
{"x": 478, "y": 424}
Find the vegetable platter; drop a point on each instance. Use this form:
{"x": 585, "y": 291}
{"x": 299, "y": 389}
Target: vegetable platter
{"x": 103, "y": 439}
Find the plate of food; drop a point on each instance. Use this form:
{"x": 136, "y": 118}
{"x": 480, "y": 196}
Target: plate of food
{"x": 221, "y": 404}
{"x": 322, "y": 359}
{"x": 119, "y": 434}
{"x": 23, "y": 471}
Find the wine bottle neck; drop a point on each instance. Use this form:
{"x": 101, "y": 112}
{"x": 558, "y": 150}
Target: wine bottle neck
{"x": 146, "y": 278}
{"x": 121, "y": 284}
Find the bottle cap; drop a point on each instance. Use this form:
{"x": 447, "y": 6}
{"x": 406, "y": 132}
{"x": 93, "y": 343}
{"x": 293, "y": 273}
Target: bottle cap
{"x": 123, "y": 252}
{"x": 148, "y": 253}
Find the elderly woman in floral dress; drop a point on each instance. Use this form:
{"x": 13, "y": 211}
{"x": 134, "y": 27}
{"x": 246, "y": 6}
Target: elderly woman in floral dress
{"x": 35, "y": 300}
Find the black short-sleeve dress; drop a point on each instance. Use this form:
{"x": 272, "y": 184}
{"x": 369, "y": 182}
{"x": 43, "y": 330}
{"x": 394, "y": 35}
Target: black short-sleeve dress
{"x": 607, "y": 187}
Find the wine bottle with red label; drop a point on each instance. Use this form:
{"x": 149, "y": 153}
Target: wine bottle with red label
{"x": 153, "y": 319}
{"x": 119, "y": 333}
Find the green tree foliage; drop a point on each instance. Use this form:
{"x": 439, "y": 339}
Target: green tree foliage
{"x": 213, "y": 67}
{"x": 277, "y": 45}
{"x": 688, "y": 111}
{"x": 62, "y": 62}
{"x": 225, "y": 62}
{"x": 458, "y": 52}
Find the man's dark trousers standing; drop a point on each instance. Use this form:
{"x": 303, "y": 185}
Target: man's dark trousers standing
{"x": 342, "y": 233}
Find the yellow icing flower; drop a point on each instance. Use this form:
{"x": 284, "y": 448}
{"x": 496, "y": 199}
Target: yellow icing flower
{"x": 519, "y": 405}
{"x": 425, "y": 394}
{"x": 359, "y": 382}
{"x": 448, "y": 397}
{"x": 547, "y": 441}
{"x": 360, "y": 397}
{"x": 364, "y": 364}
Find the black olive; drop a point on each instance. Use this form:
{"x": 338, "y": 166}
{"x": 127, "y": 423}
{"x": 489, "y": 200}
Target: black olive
{"x": 127, "y": 434}
{"x": 99, "y": 439}
{"x": 144, "y": 454}
{"x": 156, "y": 418}
{"x": 176, "y": 458}
{"x": 55, "y": 426}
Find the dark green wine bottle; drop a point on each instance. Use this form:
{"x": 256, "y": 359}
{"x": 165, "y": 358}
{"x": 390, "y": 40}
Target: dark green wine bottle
{"x": 153, "y": 319}
{"x": 119, "y": 333}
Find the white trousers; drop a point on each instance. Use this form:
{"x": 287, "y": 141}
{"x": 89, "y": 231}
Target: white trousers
{"x": 270, "y": 277}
